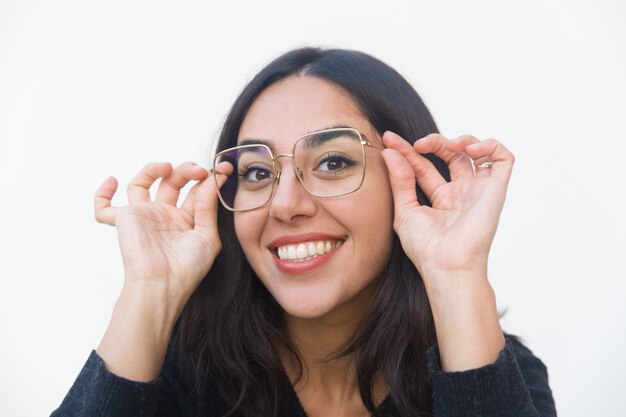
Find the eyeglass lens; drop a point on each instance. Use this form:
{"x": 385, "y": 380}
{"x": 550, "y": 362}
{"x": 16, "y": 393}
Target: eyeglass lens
{"x": 328, "y": 164}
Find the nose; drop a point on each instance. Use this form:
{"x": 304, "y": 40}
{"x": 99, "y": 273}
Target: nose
{"x": 290, "y": 200}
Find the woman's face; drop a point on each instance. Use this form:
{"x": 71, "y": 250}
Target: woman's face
{"x": 358, "y": 226}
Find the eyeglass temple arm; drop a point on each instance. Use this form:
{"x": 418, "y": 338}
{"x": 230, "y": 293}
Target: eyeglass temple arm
{"x": 370, "y": 144}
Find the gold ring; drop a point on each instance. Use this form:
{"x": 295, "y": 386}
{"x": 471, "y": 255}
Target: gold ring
{"x": 484, "y": 165}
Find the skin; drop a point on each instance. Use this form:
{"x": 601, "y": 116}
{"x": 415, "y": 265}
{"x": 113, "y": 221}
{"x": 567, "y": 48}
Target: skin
{"x": 167, "y": 249}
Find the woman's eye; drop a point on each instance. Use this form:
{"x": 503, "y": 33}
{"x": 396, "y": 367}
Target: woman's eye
{"x": 255, "y": 174}
{"x": 335, "y": 163}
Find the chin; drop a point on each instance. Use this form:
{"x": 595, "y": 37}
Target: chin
{"x": 306, "y": 309}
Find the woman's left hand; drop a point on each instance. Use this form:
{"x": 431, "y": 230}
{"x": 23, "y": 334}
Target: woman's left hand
{"x": 453, "y": 237}
{"x": 449, "y": 242}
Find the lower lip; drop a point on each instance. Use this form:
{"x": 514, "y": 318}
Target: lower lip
{"x": 301, "y": 267}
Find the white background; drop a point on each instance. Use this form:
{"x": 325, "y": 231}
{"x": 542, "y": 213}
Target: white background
{"x": 92, "y": 89}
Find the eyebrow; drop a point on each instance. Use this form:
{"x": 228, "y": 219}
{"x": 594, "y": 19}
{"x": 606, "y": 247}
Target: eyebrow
{"x": 257, "y": 142}
{"x": 251, "y": 141}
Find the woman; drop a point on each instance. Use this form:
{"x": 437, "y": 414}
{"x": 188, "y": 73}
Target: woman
{"x": 326, "y": 285}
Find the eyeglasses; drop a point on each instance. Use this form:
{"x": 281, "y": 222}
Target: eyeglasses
{"x": 328, "y": 163}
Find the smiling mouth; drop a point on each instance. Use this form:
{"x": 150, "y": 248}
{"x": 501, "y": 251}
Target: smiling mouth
{"x": 307, "y": 250}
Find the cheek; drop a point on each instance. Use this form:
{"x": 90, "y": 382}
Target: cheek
{"x": 378, "y": 233}
{"x": 378, "y": 198}
{"x": 248, "y": 227}
{"x": 377, "y": 211}
{"x": 370, "y": 219}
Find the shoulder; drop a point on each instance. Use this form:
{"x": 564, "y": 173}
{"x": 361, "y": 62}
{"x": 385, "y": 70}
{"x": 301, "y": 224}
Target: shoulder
{"x": 534, "y": 371}
{"x": 194, "y": 395}
{"x": 529, "y": 363}
{"x": 535, "y": 374}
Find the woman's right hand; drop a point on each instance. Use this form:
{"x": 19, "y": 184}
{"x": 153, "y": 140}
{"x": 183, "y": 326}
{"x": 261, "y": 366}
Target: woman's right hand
{"x": 166, "y": 251}
{"x": 164, "y": 246}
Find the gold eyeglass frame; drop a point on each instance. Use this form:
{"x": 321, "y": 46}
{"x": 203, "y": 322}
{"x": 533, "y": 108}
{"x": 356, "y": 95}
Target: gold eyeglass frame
{"x": 277, "y": 171}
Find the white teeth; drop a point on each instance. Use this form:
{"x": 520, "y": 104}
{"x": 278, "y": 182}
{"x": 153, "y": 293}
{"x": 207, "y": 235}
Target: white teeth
{"x": 319, "y": 248}
{"x": 302, "y": 251}
{"x": 308, "y": 250}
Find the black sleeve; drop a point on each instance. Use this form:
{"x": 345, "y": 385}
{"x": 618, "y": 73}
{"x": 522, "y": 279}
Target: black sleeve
{"x": 100, "y": 393}
{"x": 516, "y": 384}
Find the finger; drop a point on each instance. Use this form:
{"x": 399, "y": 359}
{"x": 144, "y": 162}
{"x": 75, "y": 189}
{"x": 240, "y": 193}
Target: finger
{"x": 139, "y": 188}
{"x": 402, "y": 180}
{"x": 103, "y": 212}
{"x": 205, "y": 200}
{"x": 497, "y": 153}
{"x": 191, "y": 195}
{"x": 170, "y": 186}
{"x": 188, "y": 204}
{"x": 458, "y": 144}
{"x": 424, "y": 172}
{"x": 458, "y": 162}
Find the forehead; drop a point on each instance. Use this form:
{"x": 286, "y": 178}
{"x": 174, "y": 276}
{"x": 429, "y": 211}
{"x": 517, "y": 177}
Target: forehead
{"x": 298, "y": 105}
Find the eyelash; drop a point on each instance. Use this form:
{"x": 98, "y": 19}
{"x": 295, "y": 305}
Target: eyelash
{"x": 244, "y": 174}
{"x": 337, "y": 156}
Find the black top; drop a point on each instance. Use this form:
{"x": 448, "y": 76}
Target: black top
{"x": 516, "y": 384}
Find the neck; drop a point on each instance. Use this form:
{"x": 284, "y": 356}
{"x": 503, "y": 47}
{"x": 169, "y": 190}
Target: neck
{"x": 325, "y": 379}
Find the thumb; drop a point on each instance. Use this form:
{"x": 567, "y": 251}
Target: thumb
{"x": 402, "y": 180}
{"x": 205, "y": 203}
{"x": 205, "y": 206}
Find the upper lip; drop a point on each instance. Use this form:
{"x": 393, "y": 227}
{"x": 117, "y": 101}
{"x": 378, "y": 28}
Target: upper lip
{"x": 301, "y": 238}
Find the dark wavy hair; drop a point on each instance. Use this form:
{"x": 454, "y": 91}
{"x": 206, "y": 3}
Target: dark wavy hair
{"x": 229, "y": 328}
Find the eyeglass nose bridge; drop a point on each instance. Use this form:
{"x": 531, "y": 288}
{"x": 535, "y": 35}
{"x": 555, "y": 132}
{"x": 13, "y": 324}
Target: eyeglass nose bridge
{"x": 278, "y": 172}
